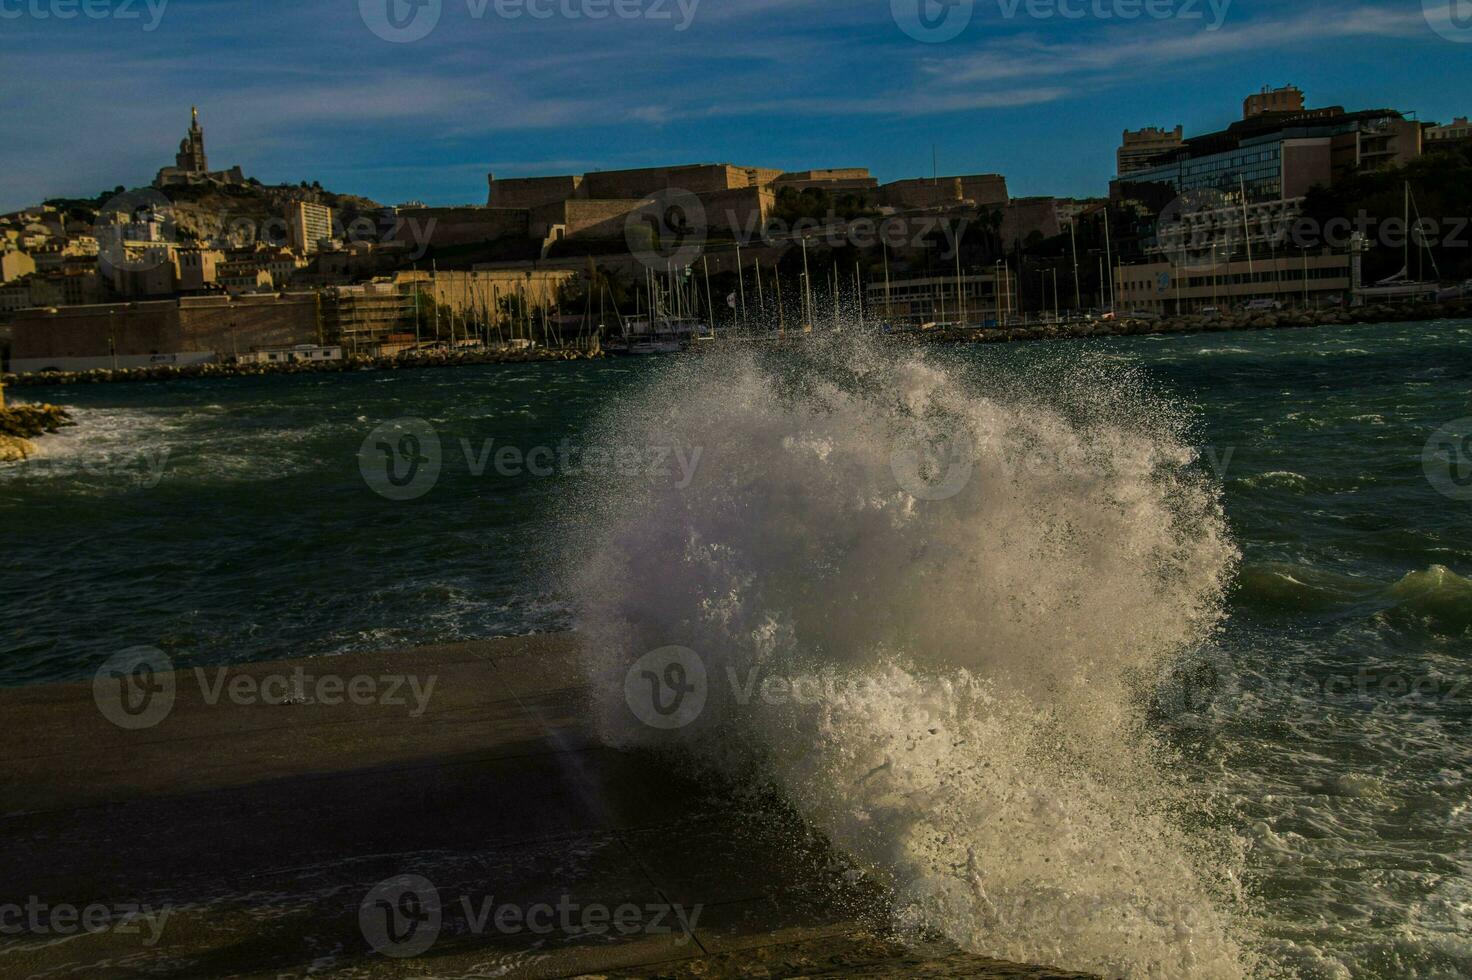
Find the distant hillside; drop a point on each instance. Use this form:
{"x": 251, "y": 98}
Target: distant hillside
{"x": 209, "y": 211}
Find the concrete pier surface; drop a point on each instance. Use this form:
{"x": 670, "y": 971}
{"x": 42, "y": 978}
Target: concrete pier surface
{"x": 444, "y": 811}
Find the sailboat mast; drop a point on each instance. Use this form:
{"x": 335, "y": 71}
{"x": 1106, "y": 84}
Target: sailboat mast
{"x": 1407, "y": 226}
{"x": 781, "y": 317}
{"x": 1247, "y": 234}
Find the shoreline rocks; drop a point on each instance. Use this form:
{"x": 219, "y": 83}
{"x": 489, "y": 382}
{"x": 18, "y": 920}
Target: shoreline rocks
{"x": 19, "y": 424}
{"x": 26, "y": 421}
{"x": 1216, "y": 323}
{"x": 14, "y": 449}
{"x": 220, "y": 369}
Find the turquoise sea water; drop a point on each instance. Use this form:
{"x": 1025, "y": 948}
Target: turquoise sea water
{"x": 230, "y": 520}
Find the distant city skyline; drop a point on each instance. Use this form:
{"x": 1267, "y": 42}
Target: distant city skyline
{"x": 293, "y": 93}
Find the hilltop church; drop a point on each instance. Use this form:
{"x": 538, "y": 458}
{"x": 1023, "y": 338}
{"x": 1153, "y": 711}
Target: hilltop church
{"x": 191, "y": 166}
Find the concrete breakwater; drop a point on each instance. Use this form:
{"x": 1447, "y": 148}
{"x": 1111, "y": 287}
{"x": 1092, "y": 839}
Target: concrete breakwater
{"x": 499, "y": 798}
{"x": 231, "y": 369}
{"x": 19, "y": 424}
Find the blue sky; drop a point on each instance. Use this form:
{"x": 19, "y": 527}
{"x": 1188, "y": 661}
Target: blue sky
{"x": 305, "y": 90}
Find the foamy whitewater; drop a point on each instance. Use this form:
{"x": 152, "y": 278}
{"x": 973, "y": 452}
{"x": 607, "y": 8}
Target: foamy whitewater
{"x": 930, "y": 607}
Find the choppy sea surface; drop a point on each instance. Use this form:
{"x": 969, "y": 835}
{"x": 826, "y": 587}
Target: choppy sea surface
{"x": 1328, "y": 715}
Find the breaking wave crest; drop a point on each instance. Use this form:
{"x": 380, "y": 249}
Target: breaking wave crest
{"x": 927, "y": 603}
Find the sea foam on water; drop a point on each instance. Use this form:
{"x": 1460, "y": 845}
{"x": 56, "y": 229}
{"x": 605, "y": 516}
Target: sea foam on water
{"x": 925, "y": 602}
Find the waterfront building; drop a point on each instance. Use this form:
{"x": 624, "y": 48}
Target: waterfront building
{"x": 1143, "y": 147}
{"x": 1277, "y": 152}
{"x": 244, "y": 278}
{"x": 837, "y": 180}
{"x": 471, "y": 294}
{"x": 1289, "y": 98}
{"x": 192, "y": 330}
{"x": 14, "y": 264}
{"x": 1300, "y": 278}
{"x": 15, "y": 295}
{"x": 917, "y": 302}
{"x": 734, "y": 199}
{"x": 1457, "y": 133}
{"x": 309, "y": 226}
{"x": 66, "y": 287}
{"x": 198, "y": 268}
{"x": 977, "y": 190}
{"x": 362, "y": 318}
{"x": 1225, "y": 194}
{"x": 245, "y": 267}
{"x": 299, "y": 354}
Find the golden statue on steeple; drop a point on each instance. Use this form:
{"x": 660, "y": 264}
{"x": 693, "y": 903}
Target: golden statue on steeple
{"x": 191, "y": 158}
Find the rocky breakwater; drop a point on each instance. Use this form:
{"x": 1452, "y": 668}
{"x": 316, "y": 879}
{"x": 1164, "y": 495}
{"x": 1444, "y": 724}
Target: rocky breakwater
{"x": 19, "y": 424}
{"x": 1209, "y": 323}
{"x": 232, "y": 369}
